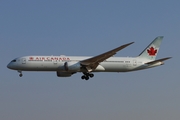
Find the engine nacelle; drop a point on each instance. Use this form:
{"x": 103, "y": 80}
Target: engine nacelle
{"x": 72, "y": 66}
{"x": 64, "y": 74}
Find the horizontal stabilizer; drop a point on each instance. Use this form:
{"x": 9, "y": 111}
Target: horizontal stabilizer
{"x": 156, "y": 61}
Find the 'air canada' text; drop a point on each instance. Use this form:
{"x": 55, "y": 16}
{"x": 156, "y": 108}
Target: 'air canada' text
{"x": 48, "y": 58}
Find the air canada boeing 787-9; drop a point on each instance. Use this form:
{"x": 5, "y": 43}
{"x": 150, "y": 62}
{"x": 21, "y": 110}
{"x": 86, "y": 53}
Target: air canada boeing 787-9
{"x": 65, "y": 66}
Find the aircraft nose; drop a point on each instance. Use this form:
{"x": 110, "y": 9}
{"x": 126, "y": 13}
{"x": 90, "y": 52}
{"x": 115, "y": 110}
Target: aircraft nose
{"x": 9, "y": 66}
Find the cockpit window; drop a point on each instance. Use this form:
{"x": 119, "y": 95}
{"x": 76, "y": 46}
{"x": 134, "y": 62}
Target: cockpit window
{"x": 13, "y": 61}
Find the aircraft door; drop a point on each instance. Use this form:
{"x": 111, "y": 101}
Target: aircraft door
{"x": 134, "y": 62}
{"x": 23, "y": 60}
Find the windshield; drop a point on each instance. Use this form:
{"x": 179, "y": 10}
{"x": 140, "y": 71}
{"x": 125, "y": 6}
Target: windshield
{"x": 13, "y": 61}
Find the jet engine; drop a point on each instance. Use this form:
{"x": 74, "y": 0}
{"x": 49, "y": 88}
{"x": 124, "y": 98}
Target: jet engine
{"x": 72, "y": 66}
{"x": 64, "y": 74}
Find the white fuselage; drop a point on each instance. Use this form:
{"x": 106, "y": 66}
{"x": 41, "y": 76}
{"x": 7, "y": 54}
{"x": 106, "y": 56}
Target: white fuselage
{"x": 56, "y": 63}
{"x": 65, "y": 66}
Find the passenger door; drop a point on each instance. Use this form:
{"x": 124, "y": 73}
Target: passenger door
{"x": 23, "y": 60}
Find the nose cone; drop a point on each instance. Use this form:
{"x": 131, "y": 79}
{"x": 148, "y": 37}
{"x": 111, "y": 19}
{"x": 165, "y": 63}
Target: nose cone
{"x": 12, "y": 66}
{"x": 9, "y": 66}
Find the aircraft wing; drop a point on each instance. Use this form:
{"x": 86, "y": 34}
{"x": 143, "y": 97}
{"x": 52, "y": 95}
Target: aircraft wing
{"x": 159, "y": 60}
{"x": 93, "y": 62}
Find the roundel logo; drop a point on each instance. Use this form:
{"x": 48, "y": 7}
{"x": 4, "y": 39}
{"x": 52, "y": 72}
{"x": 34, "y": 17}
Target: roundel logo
{"x": 152, "y": 51}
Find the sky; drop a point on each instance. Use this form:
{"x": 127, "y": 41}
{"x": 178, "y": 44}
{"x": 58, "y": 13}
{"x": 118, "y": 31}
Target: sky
{"x": 89, "y": 28}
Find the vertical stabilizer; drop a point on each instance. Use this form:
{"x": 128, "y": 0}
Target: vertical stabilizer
{"x": 151, "y": 51}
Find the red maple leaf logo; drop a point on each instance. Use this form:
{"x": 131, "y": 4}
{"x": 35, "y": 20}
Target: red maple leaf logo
{"x": 152, "y": 51}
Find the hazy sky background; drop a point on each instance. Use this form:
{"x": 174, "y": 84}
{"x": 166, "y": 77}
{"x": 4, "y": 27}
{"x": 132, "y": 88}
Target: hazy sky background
{"x": 78, "y": 27}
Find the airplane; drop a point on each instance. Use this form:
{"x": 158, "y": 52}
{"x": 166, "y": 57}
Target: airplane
{"x": 66, "y": 66}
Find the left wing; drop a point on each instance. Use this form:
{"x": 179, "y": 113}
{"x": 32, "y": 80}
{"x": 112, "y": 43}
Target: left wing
{"x": 91, "y": 63}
